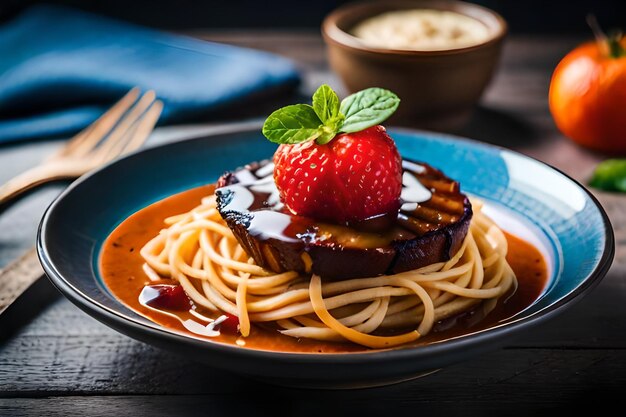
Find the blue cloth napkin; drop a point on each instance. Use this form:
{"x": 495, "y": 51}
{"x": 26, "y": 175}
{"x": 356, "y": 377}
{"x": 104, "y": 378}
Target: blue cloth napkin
{"x": 61, "y": 68}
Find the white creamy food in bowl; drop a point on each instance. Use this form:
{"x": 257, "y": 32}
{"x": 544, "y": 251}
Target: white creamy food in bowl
{"x": 421, "y": 30}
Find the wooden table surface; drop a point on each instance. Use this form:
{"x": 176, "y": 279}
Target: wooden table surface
{"x": 62, "y": 362}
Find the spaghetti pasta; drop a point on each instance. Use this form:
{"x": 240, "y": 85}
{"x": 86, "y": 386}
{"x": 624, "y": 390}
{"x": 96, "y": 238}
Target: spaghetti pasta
{"x": 199, "y": 251}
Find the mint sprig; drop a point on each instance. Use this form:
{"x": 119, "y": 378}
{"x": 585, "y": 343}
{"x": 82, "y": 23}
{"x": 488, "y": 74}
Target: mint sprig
{"x": 327, "y": 116}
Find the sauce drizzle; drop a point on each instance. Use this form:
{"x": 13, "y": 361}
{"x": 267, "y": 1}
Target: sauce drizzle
{"x": 121, "y": 267}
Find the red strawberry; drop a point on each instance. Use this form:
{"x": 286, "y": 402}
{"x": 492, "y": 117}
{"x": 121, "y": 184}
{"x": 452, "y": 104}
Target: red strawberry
{"x": 352, "y": 178}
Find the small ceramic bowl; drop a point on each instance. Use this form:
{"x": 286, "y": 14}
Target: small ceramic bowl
{"x": 438, "y": 88}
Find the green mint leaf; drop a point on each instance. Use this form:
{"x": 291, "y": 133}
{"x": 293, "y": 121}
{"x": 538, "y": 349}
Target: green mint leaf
{"x": 367, "y": 108}
{"x": 610, "y": 175}
{"x": 329, "y": 129}
{"x": 325, "y": 103}
{"x": 292, "y": 124}
{"x": 326, "y": 135}
{"x": 327, "y": 116}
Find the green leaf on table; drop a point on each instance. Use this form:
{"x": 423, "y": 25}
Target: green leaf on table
{"x": 367, "y": 108}
{"x": 610, "y": 175}
{"x": 326, "y": 103}
{"x": 292, "y": 124}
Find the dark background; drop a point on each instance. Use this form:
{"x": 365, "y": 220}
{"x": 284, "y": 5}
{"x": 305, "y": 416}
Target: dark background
{"x": 524, "y": 16}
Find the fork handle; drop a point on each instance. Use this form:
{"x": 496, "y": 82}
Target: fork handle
{"x": 28, "y": 180}
{"x": 17, "y": 277}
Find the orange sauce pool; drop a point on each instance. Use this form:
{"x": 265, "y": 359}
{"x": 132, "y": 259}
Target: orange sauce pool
{"x": 121, "y": 268}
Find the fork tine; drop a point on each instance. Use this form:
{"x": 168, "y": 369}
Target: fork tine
{"x": 144, "y": 127}
{"x": 136, "y": 135}
{"x": 114, "y": 142}
{"x": 121, "y": 129}
{"x": 91, "y": 136}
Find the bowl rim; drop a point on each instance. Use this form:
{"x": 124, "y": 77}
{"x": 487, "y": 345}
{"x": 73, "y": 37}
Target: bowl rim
{"x": 118, "y": 320}
{"x": 333, "y": 34}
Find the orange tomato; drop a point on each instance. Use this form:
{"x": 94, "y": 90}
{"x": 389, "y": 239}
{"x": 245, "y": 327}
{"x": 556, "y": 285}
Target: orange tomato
{"x": 588, "y": 96}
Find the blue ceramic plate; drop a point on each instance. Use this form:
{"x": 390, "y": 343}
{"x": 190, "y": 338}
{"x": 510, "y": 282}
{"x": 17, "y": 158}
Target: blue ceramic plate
{"x": 523, "y": 195}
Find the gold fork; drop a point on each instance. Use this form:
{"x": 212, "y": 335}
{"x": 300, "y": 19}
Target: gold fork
{"x": 120, "y": 130}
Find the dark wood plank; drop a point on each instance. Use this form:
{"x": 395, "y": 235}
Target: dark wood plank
{"x": 523, "y": 381}
{"x": 109, "y": 365}
{"x": 315, "y": 404}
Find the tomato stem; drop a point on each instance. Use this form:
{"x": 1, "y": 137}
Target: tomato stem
{"x": 616, "y": 49}
{"x": 611, "y": 45}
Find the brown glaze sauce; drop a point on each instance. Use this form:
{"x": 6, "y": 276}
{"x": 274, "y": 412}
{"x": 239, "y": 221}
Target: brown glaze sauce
{"x": 121, "y": 268}
{"x": 429, "y": 227}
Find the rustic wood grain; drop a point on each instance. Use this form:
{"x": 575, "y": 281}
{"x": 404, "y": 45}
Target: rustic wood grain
{"x": 65, "y": 363}
{"x": 524, "y": 381}
{"x": 509, "y": 396}
{"x": 18, "y": 276}
{"x": 109, "y": 364}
